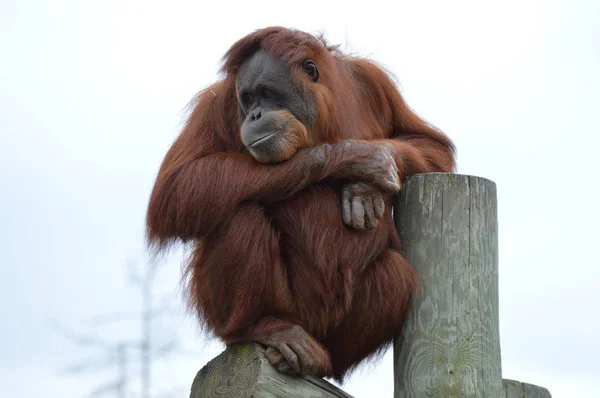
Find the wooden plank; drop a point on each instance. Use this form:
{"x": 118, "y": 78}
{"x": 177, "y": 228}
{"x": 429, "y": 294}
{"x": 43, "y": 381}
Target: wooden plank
{"x": 517, "y": 389}
{"x": 450, "y": 344}
{"x": 243, "y": 371}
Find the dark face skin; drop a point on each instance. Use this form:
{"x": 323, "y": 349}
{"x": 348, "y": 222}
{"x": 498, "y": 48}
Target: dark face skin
{"x": 272, "y": 108}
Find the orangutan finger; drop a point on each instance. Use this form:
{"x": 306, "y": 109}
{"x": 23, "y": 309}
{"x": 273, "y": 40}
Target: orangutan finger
{"x": 346, "y": 208}
{"x": 378, "y": 206}
{"x": 370, "y": 220}
{"x": 358, "y": 213}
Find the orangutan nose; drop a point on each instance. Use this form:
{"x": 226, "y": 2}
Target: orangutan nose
{"x": 255, "y": 113}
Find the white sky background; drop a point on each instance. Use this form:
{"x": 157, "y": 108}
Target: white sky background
{"x": 92, "y": 94}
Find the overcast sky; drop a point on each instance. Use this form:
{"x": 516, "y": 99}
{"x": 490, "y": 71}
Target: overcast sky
{"x": 92, "y": 93}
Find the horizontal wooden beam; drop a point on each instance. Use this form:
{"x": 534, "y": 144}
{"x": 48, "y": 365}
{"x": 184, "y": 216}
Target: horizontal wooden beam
{"x": 517, "y": 389}
{"x": 243, "y": 371}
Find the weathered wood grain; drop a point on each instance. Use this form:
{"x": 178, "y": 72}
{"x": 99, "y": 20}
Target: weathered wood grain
{"x": 450, "y": 345}
{"x": 517, "y": 389}
{"x": 243, "y": 371}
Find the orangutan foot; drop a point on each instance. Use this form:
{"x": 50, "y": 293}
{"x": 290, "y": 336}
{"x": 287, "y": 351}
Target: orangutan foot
{"x": 294, "y": 351}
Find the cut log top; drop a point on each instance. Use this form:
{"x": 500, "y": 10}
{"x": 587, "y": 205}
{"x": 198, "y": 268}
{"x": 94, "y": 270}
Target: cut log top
{"x": 243, "y": 371}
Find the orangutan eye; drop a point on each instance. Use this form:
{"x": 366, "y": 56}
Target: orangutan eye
{"x": 246, "y": 99}
{"x": 310, "y": 68}
{"x": 268, "y": 94}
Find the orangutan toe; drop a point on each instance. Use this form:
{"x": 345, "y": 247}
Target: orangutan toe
{"x": 297, "y": 358}
{"x": 274, "y": 356}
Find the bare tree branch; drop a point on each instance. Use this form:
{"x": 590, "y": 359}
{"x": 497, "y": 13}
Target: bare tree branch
{"x": 115, "y": 353}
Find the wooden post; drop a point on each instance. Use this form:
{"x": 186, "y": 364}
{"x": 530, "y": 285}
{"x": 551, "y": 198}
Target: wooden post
{"x": 450, "y": 345}
{"x": 243, "y": 371}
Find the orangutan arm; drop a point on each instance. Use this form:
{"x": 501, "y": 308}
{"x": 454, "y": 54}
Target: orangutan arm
{"x": 193, "y": 196}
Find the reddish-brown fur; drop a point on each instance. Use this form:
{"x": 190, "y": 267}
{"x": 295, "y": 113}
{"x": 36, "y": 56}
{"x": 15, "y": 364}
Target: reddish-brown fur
{"x": 271, "y": 249}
